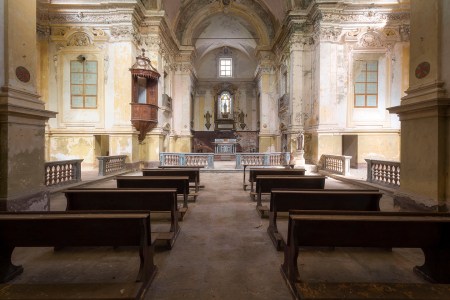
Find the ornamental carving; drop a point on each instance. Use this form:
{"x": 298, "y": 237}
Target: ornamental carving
{"x": 404, "y": 32}
{"x": 120, "y": 33}
{"x": 153, "y": 42}
{"x": 368, "y": 16}
{"x": 84, "y": 17}
{"x": 331, "y": 34}
{"x": 296, "y": 42}
{"x": 371, "y": 40}
{"x": 79, "y": 39}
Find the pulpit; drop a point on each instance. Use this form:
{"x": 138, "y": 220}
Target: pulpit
{"x": 224, "y": 149}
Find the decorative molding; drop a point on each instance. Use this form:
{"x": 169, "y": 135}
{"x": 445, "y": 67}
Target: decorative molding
{"x": 79, "y": 39}
{"x": 330, "y": 34}
{"x": 365, "y": 17}
{"x": 93, "y": 17}
{"x": 125, "y": 33}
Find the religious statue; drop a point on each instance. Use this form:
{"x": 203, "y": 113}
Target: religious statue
{"x": 241, "y": 117}
{"x": 300, "y": 141}
{"x": 208, "y": 119}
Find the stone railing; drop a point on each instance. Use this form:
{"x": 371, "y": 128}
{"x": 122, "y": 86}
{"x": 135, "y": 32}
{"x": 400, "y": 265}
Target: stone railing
{"x": 205, "y": 160}
{"x": 262, "y": 159}
{"x": 111, "y": 164}
{"x": 336, "y": 164}
{"x": 383, "y": 172}
{"x": 62, "y": 172}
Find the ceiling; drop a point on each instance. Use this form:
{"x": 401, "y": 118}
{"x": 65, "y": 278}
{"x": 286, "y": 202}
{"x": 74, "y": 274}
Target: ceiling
{"x": 210, "y": 24}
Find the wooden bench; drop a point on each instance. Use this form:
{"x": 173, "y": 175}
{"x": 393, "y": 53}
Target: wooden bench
{"x": 265, "y": 184}
{"x": 253, "y": 172}
{"x": 339, "y": 199}
{"x": 201, "y": 186}
{"x": 192, "y": 173}
{"x": 258, "y": 166}
{"x": 181, "y": 183}
{"x": 428, "y": 231}
{"x": 65, "y": 229}
{"x": 154, "y": 200}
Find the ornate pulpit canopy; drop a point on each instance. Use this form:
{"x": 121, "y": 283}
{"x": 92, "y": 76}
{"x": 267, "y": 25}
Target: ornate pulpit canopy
{"x": 144, "y": 95}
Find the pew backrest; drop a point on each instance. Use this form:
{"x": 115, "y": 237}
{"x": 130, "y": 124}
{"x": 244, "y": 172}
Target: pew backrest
{"x": 122, "y": 199}
{"x": 253, "y": 172}
{"x": 428, "y": 231}
{"x": 352, "y": 200}
{"x": 193, "y": 174}
{"x": 181, "y": 183}
{"x": 73, "y": 229}
{"x": 265, "y": 183}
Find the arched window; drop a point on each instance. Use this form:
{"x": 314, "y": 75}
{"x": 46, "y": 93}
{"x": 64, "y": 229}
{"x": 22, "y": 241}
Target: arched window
{"x": 225, "y": 104}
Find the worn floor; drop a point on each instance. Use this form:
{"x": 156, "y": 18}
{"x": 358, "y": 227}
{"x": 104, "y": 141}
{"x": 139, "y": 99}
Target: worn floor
{"x": 222, "y": 252}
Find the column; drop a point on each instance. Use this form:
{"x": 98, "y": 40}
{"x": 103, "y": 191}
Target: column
{"x": 296, "y": 87}
{"x": 424, "y": 111}
{"x": 269, "y": 122}
{"x": 182, "y": 90}
{"x": 22, "y": 113}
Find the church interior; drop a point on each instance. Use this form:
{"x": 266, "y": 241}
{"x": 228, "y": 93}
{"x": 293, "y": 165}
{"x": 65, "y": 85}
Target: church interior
{"x": 144, "y": 81}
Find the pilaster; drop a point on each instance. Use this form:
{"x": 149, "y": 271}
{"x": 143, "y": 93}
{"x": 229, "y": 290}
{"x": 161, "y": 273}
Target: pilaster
{"x": 268, "y": 99}
{"x": 425, "y": 111}
{"x": 22, "y": 114}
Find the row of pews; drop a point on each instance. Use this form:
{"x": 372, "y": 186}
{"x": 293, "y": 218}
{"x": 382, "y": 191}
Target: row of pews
{"x": 94, "y": 217}
{"x": 319, "y": 217}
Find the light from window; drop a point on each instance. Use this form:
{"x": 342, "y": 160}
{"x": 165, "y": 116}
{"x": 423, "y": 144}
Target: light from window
{"x": 225, "y": 104}
{"x": 366, "y": 84}
{"x": 225, "y": 67}
{"x": 83, "y": 84}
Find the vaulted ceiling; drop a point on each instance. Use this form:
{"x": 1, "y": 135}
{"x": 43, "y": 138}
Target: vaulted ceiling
{"x": 211, "y": 24}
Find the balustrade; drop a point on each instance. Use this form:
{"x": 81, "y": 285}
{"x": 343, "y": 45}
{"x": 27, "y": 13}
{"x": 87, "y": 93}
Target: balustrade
{"x": 337, "y": 164}
{"x": 383, "y": 172}
{"x": 62, "y": 172}
{"x": 262, "y": 159}
{"x": 187, "y": 159}
{"x": 111, "y": 164}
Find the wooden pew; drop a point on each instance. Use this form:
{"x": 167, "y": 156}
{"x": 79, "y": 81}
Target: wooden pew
{"x": 201, "y": 186}
{"x": 265, "y": 184}
{"x": 256, "y": 166}
{"x": 192, "y": 173}
{"x": 339, "y": 199}
{"x": 154, "y": 200}
{"x": 428, "y": 231}
{"x": 253, "y": 172}
{"x": 181, "y": 183}
{"x": 65, "y": 229}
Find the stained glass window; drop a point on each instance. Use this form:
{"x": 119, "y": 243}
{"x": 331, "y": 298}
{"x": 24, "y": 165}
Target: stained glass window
{"x": 83, "y": 84}
{"x": 366, "y": 83}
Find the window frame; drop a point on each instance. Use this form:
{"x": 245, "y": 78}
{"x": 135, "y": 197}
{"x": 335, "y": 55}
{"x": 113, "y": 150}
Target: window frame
{"x": 226, "y": 59}
{"x": 83, "y": 85}
{"x": 366, "y": 71}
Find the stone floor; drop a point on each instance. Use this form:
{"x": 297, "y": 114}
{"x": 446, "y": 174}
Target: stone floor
{"x": 222, "y": 252}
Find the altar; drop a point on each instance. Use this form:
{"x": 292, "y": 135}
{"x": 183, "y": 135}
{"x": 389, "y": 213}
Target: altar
{"x": 224, "y": 149}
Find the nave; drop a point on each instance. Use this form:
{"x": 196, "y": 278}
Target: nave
{"x": 223, "y": 252}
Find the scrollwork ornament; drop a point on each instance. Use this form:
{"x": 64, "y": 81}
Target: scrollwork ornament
{"x": 79, "y": 39}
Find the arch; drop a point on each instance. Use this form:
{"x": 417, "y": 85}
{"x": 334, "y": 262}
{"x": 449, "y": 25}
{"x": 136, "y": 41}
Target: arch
{"x": 189, "y": 20}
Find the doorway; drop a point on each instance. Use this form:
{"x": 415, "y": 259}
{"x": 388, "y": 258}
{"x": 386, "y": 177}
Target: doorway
{"x": 350, "y": 148}
{"x": 101, "y": 147}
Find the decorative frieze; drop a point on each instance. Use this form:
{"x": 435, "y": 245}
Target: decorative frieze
{"x": 330, "y": 34}
{"x": 97, "y": 17}
{"x": 364, "y": 17}
{"x": 125, "y": 33}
